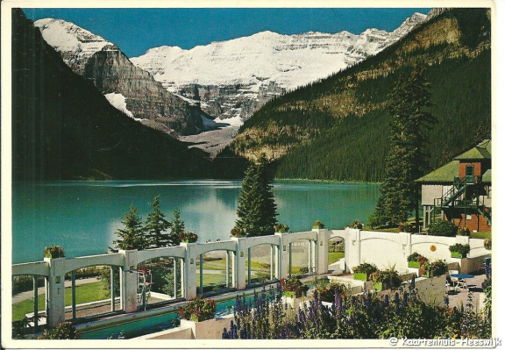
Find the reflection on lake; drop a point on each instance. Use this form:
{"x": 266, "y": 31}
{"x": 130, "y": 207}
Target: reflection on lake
{"x": 82, "y": 216}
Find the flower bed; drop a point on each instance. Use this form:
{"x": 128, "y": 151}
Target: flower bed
{"x": 317, "y": 225}
{"x": 459, "y": 250}
{"x": 188, "y": 237}
{"x": 363, "y": 271}
{"x": 415, "y": 259}
{"x": 54, "y": 252}
{"x": 367, "y": 316}
{"x": 327, "y": 293}
{"x": 292, "y": 287}
{"x": 433, "y": 269}
{"x": 385, "y": 279}
{"x": 198, "y": 310}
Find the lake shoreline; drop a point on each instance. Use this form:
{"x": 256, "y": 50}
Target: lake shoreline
{"x": 328, "y": 181}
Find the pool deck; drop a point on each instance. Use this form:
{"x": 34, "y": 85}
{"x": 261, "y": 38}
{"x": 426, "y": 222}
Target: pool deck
{"x": 460, "y": 296}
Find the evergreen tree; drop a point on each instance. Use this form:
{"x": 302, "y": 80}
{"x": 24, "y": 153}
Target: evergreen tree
{"x": 157, "y": 226}
{"x": 132, "y": 236}
{"x": 256, "y": 210}
{"x": 406, "y": 160}
{"x": 178, "y": 227}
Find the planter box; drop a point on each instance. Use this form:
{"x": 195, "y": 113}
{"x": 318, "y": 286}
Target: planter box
{"x": 360, "y": 276}
{"x": 209, "y": 329}
{"x": 414, "y": 264}
{"x": 456, "y": 255}
{"x": 378, "y": 286}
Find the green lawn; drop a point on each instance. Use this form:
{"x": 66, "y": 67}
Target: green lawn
{"x": 220, "y": 265}
{"x": 483, "y": 235}
{"x": 335, "y": 256}
{"x": 84, "y": 294}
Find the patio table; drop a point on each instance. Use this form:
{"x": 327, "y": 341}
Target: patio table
{"x": 461, "y": 275}
{"x": 461, "y": 283}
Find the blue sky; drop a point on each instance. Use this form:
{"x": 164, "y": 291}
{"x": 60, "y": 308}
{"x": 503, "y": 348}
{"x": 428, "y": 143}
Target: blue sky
{"x": 136, "y": 30}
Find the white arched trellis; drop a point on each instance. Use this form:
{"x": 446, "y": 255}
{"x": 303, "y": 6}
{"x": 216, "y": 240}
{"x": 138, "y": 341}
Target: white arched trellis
{"x": 53, "y": 270}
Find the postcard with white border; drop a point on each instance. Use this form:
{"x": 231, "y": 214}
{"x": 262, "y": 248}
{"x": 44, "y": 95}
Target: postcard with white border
{"x": 237, "y": 174}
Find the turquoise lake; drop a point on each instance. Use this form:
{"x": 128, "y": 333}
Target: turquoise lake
{"x": 82, "y": 216}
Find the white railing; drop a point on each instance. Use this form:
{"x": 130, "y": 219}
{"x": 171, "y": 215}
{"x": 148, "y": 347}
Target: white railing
{"x": 384, "y": 249}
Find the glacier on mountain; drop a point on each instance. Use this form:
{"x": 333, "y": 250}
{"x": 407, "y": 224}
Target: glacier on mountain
{"x": 228, "y": 77}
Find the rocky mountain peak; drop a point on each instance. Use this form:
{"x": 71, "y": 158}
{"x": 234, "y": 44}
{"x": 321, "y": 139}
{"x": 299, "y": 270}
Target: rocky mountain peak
{"x": 233, "y": 78}
{"x": 128, "y": 88}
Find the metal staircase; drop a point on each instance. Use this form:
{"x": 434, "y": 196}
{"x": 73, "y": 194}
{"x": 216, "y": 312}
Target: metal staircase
{"x": 486, "y": 212}
{"x": 462, "y": 194}
{"x": 457, "y": 189}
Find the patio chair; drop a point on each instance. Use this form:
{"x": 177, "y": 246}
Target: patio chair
{"x": 449, "y": 286}
{"x": 461, "y": 284}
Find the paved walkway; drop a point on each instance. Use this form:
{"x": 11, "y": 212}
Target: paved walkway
{"x": 29, "y": 293}
{"x": 460, "y": 296}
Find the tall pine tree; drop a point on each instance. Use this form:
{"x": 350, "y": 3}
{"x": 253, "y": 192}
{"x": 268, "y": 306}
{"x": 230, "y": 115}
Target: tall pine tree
{"x": 178, "y": 227}
{"x": 157, "y": 226}
{"x": 256, "y": 210}
{"x": 406, "y": 160}
{"x": 132, "y": 236}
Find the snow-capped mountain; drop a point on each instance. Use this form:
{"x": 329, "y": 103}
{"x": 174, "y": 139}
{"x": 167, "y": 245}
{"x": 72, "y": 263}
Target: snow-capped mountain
{"x": 235, "y": 77}
{"x": 126, "y": 86}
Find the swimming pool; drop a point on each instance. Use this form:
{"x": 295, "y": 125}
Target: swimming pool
{"x": 152, "y": 324}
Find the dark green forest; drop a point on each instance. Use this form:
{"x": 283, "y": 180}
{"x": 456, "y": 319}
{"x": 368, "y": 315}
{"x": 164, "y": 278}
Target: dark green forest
{"x": 63, "y": 128}
{"x": 338, "y": 128}
{"x": 355, "y": 148}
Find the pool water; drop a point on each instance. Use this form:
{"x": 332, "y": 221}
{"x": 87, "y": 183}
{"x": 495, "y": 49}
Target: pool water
{"x": 153, "y": 324}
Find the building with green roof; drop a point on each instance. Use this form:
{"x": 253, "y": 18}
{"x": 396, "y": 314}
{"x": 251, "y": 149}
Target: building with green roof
{"x": 460, "y": 190}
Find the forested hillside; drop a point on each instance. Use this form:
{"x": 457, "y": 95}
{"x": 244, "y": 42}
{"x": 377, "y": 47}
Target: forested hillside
{"x": 338, "y": 128}
{"x": 64, "y": 128}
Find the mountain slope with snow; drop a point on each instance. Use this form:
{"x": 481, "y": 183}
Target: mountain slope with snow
{"x": 236, "y": 77}
{"x": 102, "y": 62}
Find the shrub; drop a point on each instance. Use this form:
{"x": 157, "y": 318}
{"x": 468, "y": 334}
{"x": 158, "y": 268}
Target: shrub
{"x": 54, "y": 252}
{"x": 406, "y": 227}
{"x": 463, "y": 231}
{"x": 488, "y": 244}
{"x": 459, "y": 250}
{"x": 281, "y": 228}
{"x": 443, "y": 228}
{"x": 389, "y": 278}
{"x": 188, "y": 237}
{"x": 356, "y": 224}
{"x": 304, "y": 270}
{"x": 317, "y": 225}
{"x": 415, "y": 257}
{"x": 63, "y": 330}
{"x": 365, "y": 268}
{"x": 86, "y": 272}
{"x": 368, "y": 316}
{"x": 198, "y": 309}
{"x": 237, "y": 232}
{"x": 24, "y": 283}
{"x": 416, "y": 260}
{"x": 293, "y": 287}
{"x": 327, "y": 292}
{"x": 435, "y": 268}
{"x": 377, "y": 220}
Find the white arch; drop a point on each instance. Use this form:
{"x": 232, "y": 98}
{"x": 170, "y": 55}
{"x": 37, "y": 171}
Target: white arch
{"x": 251, "y": 242}
{"x": 39, "y": 268}
{"x": 115, "y": 259}
{"x": 196, "y": 249}
{"x": 164, "y": 252}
